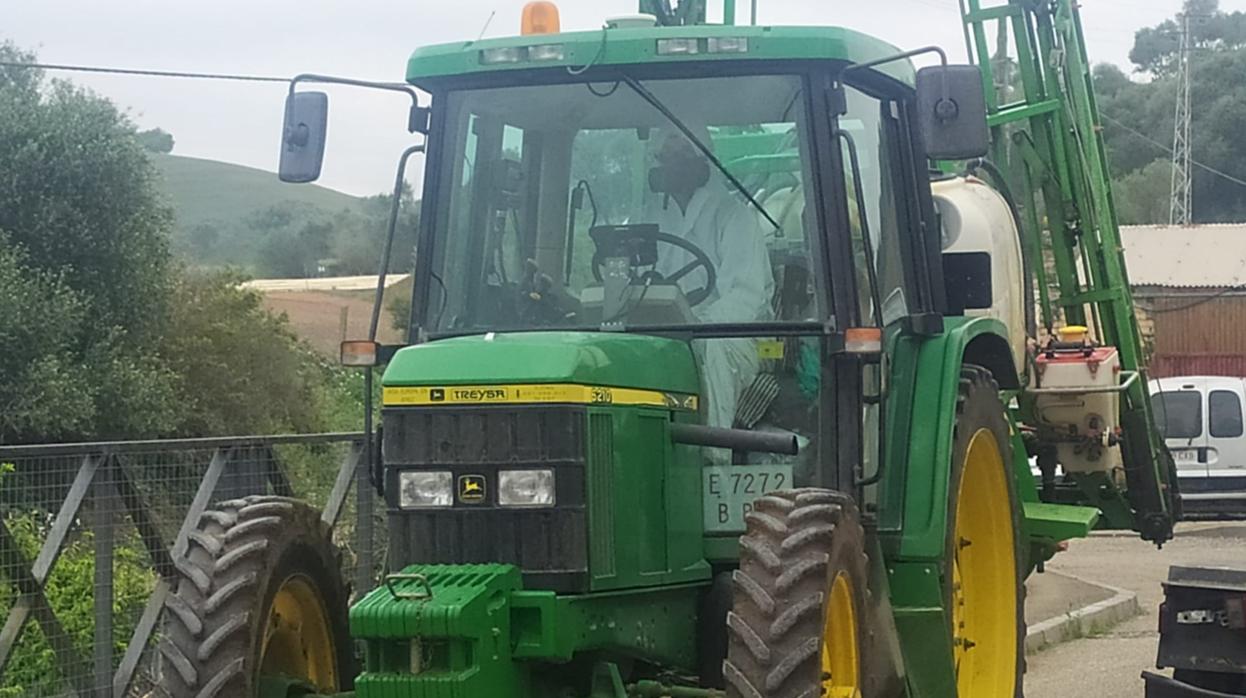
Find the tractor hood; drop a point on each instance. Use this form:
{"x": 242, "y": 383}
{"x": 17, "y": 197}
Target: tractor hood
{"x": 636, "y": 362}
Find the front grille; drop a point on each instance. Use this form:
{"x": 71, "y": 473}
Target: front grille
{"x": 549, "y": 545}
{"x": 601, "y": 439}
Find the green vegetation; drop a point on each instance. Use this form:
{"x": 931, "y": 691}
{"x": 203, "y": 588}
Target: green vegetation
{"x": 1139, "y": 117}
{"x": 35, "y": 668}
{"x": 103, "y": 332}
{"x": 156, "y": 140}
{"x": 106, "y": 334}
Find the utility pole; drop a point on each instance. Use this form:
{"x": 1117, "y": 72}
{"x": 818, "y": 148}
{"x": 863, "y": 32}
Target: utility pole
{"x": 1181, "y": 203}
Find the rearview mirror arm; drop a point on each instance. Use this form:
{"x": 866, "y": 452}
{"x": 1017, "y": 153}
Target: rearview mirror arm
{"x": 855, "y": 67}
{"x": 417, "y": 121}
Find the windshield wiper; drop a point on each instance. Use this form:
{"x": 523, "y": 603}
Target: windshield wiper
{"x": 678, "y": 123}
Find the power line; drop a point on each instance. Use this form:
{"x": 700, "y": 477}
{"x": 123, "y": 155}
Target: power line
{"x": 268, "y": 78}
{"x": 1202, "y": 301}
{"x": 146, "y": 73}
{"x": 1166, "y": 149}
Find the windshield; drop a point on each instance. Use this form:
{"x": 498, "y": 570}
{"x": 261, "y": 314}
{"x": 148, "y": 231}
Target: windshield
{"x": 595, "y": 205}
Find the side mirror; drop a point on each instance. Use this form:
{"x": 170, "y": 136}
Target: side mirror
{"x": 303, "y": 137}
{"x": 951, "y": 110}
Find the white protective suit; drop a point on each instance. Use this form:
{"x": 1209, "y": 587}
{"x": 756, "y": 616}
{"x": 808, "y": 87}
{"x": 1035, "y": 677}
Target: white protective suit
{"x": 726, "y": 228}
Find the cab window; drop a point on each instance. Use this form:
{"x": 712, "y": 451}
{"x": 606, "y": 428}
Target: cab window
{"x": 1224, "y": 414}
{"x": 1179, "y": 413}
{"x": 550, "y": 184}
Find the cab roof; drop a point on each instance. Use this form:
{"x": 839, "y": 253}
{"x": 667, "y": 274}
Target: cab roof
{"x": 433, "y": 66}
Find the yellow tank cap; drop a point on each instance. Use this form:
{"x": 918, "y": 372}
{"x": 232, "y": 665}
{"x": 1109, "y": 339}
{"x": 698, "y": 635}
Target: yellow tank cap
{"x": 1073, "y": 334}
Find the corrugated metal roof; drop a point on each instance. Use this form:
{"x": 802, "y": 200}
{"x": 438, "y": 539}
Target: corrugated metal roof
{"x": 1200, "y": 255}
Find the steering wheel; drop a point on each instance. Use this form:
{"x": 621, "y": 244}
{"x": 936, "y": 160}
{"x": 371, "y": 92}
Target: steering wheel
{"x": 700, "y": 260}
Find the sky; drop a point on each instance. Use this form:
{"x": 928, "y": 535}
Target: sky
{"x": 371, "y": 39}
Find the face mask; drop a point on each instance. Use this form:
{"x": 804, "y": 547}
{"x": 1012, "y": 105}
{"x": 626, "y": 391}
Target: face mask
{"x": 688, "y": 175}
{"x": 661, "y": 178}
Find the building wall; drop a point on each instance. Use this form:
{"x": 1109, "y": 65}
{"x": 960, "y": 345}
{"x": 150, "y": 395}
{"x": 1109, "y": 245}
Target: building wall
{"x": 1195, "y": 331}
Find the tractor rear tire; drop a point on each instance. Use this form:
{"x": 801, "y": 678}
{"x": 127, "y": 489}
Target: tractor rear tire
{"x": 984, "y": 583}
{"x": 260, "y": 594}
{"x": 796, "y": 628}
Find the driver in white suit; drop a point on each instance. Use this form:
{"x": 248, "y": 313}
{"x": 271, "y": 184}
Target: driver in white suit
{"x": 696, "y": 203}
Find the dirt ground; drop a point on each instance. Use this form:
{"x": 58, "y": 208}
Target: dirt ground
{"x": 1053, "y": 595}
{"x": 324, "y": 318}
{"x": 1109, "y": 665}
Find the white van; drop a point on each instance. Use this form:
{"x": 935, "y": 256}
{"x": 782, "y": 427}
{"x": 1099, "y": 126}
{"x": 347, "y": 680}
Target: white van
{"x": 1201, "y": 419}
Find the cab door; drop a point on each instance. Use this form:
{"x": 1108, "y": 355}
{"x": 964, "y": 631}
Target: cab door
{"x": 1181, "y": 414}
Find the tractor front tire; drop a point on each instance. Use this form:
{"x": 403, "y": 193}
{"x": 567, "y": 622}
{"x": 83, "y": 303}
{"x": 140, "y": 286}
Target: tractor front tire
{"x": 983, "y": 582}
{"x": 796, "y": 628}
{"x": 260, "y": 599}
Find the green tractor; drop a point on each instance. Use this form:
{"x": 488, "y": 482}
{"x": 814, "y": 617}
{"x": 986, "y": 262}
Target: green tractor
{"x": 736, "y": 367}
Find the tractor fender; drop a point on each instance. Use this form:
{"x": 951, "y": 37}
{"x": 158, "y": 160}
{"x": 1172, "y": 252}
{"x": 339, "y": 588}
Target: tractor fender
{"x": 925, "y": 375}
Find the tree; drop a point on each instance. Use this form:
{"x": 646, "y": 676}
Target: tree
{"x": 79, "y": 197}
{"x": 39, "y": 320}
{"x": 156, "y": 140}
{"x": 1142, "y": 195}
{"x": 291, "y": 239}
{"x": 1156, "y": 49}
{"x": 19, "y": 83}
{"x": 240, "y": 369}
{"x": 359, "y": 237}
{"x": 85, "y": 267}
{"x": 1138, "y": 116}
{"x": 101, "y": 335}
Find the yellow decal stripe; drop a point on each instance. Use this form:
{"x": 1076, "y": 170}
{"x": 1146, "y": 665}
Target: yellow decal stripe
{"x": 534, "y": 394}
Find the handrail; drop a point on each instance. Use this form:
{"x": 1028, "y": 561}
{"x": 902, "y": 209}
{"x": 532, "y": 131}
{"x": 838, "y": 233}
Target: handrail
{"x": 148, "y": 445}
{"x": 1131, "y": 377}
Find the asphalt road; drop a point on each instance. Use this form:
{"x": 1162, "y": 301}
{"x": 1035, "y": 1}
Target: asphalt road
{"x": 1109, "y": 665}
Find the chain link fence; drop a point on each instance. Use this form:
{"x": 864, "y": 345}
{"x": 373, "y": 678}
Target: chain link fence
{"x": 89, "y": 534}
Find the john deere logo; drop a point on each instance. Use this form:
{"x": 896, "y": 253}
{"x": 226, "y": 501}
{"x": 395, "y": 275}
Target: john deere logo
{"x": 437, "y": 395}
{"x": 471, "y": 489}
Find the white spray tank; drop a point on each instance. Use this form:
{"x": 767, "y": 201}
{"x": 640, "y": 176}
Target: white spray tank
{"x": 1077, "y": 387}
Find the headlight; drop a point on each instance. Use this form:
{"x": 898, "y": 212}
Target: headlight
{"x": 420, "y": 489}
{"x": 678, "y": 47}
{"x": 506, "y": 54}
{"x": 728, "y": 44}
{"x": 546, "y": 52}
{"x": 526, "y": 488}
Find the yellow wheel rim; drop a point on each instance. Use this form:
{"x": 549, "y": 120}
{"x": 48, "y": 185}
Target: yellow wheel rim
{"x": 297, "y": 640}
{"x": 984, "y": 569}
{"x": 840, "y": 659}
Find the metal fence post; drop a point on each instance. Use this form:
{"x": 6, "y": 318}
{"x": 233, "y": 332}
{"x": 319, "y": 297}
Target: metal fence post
{"x": 103, "y": 523}
{"x": 363, "y": 494}
{"x": 143, "y": 484}
{"x": 151, "y": 613}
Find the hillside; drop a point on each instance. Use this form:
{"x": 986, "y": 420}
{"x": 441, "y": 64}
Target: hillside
{"x": 231, "y": 216}
{"x": 208, "y": 190}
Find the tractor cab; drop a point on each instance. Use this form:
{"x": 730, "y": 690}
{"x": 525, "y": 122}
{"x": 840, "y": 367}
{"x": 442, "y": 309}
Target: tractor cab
{"x": 651, "y": 179}
{"x": 715, "y": 222}
{"x": 758, "y": 194}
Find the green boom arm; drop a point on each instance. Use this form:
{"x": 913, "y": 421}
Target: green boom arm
{"x": 1047, "y": 138}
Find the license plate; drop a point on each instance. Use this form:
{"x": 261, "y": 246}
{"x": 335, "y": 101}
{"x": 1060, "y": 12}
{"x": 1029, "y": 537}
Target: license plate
{"x": 730, "y": 490}
{"x": 1185, "y": 457}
